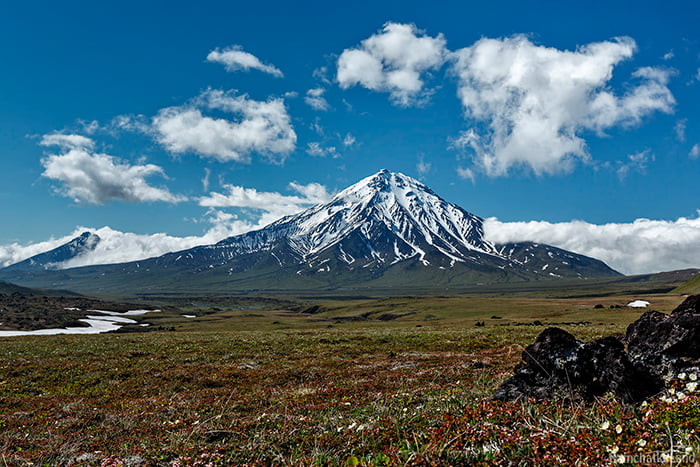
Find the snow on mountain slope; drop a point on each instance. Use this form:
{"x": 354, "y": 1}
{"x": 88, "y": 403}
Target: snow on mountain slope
{"x": 383, "y": 220}
{"x": 388, "y": 229}
{"x": 383, "y": 203}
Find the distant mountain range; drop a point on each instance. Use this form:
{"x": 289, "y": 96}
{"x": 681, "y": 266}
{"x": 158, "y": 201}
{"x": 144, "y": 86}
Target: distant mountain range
{"x": 388, "y": 230}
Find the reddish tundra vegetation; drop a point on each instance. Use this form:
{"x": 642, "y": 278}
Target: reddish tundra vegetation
{"x": 399, "y": 396}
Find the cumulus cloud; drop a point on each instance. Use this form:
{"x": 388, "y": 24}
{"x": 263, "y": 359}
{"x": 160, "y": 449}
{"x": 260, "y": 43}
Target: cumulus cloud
{"x": 393, "y": 60}
{"x": 270, "y": 206}
{"x": 642, "y": 246}
{"x": 67, "y": 141}
{"x": 317, "y": 150}
{"x": 694, "y": 151}
{"x": 314, "y": 99}
{"x": 92, "y": 177}
{"x": 119, "y": 247}
{"x": 349, "y": 140}
{"x": 530, "y": 104}
{"x": 262, "y": 127}
{"x": 234, "y": 58}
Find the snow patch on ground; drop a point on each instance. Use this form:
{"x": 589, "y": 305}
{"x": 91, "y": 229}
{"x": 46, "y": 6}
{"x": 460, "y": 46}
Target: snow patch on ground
{"x": 638, "y": 304}
{"x": 96, "y": 324}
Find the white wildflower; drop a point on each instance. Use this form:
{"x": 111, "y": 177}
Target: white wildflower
{"x": 682, "y": 376}
{"x": 691, "y": 387}
{"x": 621, "y": 459}
{"x": 693, "y": 377}
{"x": 618, "y": 429}
{"x": 605, "y": 425}
{"x": 641, "y": 442}
{"x": 680, "y": 395}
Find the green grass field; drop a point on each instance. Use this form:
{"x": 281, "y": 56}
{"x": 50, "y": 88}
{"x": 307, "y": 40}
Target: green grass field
{"x": 324, "y": 381}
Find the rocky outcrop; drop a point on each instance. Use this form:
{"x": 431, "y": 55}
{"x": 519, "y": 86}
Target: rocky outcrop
{"x": 655, "y": 349}
{"x": 667, "y": 344}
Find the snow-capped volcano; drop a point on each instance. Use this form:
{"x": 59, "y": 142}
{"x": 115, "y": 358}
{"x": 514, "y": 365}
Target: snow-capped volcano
{"x": 394, "y": 217}
{"x": 377, "y": 229}
{"x": 387, "y": 230}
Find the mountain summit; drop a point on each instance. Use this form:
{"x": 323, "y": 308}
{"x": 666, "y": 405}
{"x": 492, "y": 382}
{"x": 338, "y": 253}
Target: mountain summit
{"x": 387, "y": 230}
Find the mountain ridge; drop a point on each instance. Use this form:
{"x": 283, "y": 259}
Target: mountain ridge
{"x": 52, "y": 259}
{"x": 373, "y": 232}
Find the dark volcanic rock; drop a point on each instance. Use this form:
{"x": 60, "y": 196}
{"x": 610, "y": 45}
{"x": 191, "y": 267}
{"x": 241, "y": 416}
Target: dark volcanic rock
{"x": 558, "y": 365}
{"x": 667, "y": 344}
{"x": 659, "y": 346}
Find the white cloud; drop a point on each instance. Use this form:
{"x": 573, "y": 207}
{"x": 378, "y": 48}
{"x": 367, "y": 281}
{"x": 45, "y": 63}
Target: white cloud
{"x": 423, "y": 167}
{"x": 694, "y": 151}
{"x": 534, "y": 102}
{"x": 67, "y": 141}
{"x": 118, "y": 247}
{"x": 262, "y": 127}
{"x": 635, "y": 162}
{"x": 349, "y": 140}
{"x": 466, "y": 174}
{"x": 88, "y": 176}
{"x": 317, "y": 150}
{"x": 668, "y": 55}
{"x": 135, "y": 123}
{"x": 679, "y": 128}
{"x": 14, "y": 252}
{"x": 270, "y": 206}
{"x": 205, "y": 179}
{"x": 393, "y": 61}
{"x": 642, "y": 246}
{"x": 321, "y": 74}
{"x": 236, "y": 59}
{"x": 314, "y": 98}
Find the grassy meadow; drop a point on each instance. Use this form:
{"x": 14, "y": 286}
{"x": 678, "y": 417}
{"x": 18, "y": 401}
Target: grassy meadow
{"x": 326, "y": 381}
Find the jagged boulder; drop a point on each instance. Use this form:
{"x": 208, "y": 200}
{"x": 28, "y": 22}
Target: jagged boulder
{"x": 667, "y": 344}
{"x": 658, "y": 347}
{"x": 559, "y": 366}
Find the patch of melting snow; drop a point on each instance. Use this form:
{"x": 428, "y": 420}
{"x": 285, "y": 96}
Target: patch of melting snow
{"x": 114, "y": 319}
{"x": 96, "y": 324}
{"x": 189, "y": 316}
{"x": 638, "y": 304}
{"x": 127, "y": 313}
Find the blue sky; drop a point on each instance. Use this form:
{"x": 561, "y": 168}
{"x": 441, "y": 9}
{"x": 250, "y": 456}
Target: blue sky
{"x": 163, "y": 117}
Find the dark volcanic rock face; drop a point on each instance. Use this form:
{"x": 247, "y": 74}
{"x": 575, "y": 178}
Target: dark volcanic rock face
{"x": 667, "y": 344}
{"x": 558, "y": 365}
{"x": 659, "y": 346}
